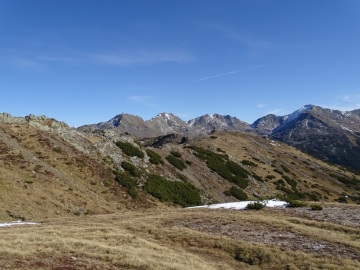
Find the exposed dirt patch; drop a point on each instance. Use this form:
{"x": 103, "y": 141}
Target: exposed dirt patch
{"x": 285, "y": 237}
{"x": 345, "y": 215}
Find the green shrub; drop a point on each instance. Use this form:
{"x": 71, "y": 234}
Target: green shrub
{"x": 127, "y": 166}
{"x": 342, "y": 199}
{"x": 257, "y": 177}
{"x": 237, "y": 193}
{"x": 270, "y": 176}
{"x": 290, "y": 181}
{"x": 176, "y": 154}
{"x": 184, "y": 194}
{"x": 291, "y": 194}
{"x": 188, "y": 162}
{"x": 255, "y": 205}
{"x": 133, "y": 192}
{"x": 248, "y": 163}
{"x": 316, "y": 207}
{"x": 224, "y": 167}
{"x": 125, "y": 180}
{"x": 129, "y": 149}
{"x": 154, "y": 158}
{"x": 285, "y": 169}
{"x": 278, "y": 171}
{"x": 279, "y": 182}
{"x": 177, "y": 163}
{"x": 296, "y": 203}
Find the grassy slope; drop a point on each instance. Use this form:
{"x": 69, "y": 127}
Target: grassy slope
{"x": 312, "y": 175}
{"x": 184, "y": 239}
{"x": 42, "y": 176}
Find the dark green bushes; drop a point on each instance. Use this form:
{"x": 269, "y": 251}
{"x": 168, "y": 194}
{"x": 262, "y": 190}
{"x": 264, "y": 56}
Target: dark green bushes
{"x": 224, "y": 167}
{"x": 295, "y": 203}
{"x": 349, "y": 182}
{"x": 127, "y": 166}
{"x": 248, "y": 163}
{"x": 184, "y": 194}
{"x": 130, "y": 149}
{"x": 237, "y": 193}
{"x": 285, "y": 169}
{"x": 316, "y": 207}
{"x": 176, "y": 162}
{"x": 255, "y": 205}
{"x": 125, "y": 180}
{"x": 154, "y": 158}
{"x": 290, "y": 181}
{"x": 257, "y": 177}
{"x": 175, "y": 154}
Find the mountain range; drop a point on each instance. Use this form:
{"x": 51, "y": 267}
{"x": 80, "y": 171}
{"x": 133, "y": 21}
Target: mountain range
{"x": 103, "y": 196}
{"x": 330, "y": 135}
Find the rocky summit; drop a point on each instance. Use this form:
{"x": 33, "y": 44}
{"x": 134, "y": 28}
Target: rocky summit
{"x": 330, "y": 135}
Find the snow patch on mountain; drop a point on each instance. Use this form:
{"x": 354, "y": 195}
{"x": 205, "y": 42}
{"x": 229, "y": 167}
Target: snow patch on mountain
{"x": 297, "y": 113}
{"x": 242, "y": 205}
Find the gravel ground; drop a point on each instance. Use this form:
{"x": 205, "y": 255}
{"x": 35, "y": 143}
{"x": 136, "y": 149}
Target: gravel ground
{"x": 288, "y": 238}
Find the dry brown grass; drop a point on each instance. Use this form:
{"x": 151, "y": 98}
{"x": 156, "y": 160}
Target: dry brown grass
{"x": 182, "y": 239}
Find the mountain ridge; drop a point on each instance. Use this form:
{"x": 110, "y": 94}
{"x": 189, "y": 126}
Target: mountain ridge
{"x": 330, "y": 135}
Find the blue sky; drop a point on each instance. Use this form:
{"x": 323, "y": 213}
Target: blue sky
{"x": 84, "y": 61}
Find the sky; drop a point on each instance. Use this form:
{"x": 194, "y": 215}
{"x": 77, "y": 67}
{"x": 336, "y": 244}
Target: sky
{"x": 85, "y": 61}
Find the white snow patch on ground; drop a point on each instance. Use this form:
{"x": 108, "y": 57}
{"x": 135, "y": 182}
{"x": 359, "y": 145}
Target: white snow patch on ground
{"x": 15, "y": 223}
{"x": 242, "y": 205}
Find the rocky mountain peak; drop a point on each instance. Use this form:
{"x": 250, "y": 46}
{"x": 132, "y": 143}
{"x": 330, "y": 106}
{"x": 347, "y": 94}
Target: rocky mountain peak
{"x": 265, "y": 125}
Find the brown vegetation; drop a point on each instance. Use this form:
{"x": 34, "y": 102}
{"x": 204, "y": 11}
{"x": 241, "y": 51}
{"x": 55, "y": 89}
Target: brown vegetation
{"x": 185, "y": 239}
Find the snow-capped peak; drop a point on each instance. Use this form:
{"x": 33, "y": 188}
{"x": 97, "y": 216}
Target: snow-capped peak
{"x": 298, "y": 112}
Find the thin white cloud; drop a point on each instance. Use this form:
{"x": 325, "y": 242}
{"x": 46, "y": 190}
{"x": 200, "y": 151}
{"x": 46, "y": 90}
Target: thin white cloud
{"x": 351, "y": 98}
{"x": 229, "y": 73}
{"x": 236, "y": 36}
{"x": 25, "y": 63}
{"x": 114, "y": 58}
{"x": 141, "y": 58}
{"x": 348, "y": 102}
{"x": 343, "y": 108}
{"x": 59, "y": 59}
{"x": 147, "y": 101}
{"x": 139, "y": 99}
{"x": 277, "y": 111}
{"x": 260, "y": 105}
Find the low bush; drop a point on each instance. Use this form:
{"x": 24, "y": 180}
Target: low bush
{"x": 184, "y": 194}
{"x": 343, "y": 199}
{"x": 296, "y": 203}
{"x": 129, "y": 149}
{"x": 257, "y": 177}
{"x": 176, "y": 162}
{"x": 237, "y": 193}
{"x": 290, "y": 181}
{"x": 316, "y": 207}
{"x": 188, "y": 162}
{"x": 285, "y": 169}
{"x": 176, "y": 154}
{"x": 154, "y": 158}
{"x": 125, "y": 180}
{"x": 224, "y": 167}
{"x": 248, "y": 163}
{"x": 129, "y": 167}
{"x": 255, "y": 205}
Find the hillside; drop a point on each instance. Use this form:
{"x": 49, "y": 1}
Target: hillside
{"x": 49, "y": 169}
{"x": 330, "y": 135}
